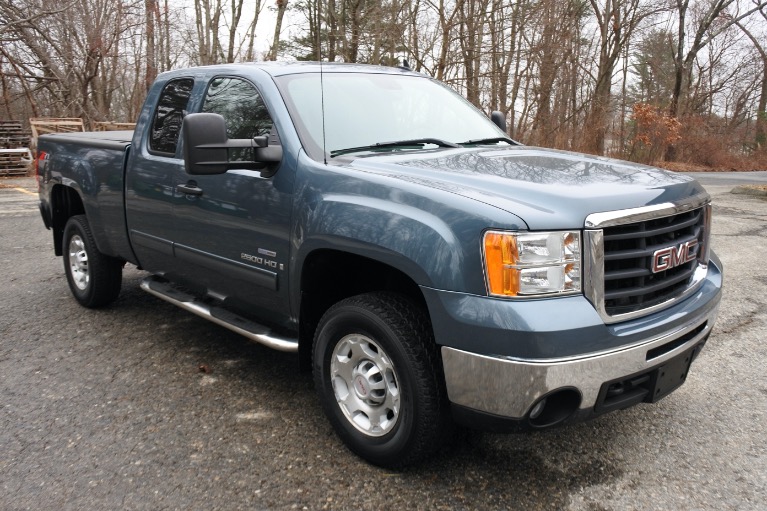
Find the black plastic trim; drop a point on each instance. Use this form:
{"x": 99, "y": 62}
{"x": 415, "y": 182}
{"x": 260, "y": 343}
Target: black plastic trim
{"x": 252, "y": 274}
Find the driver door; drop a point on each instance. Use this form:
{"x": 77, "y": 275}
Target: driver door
{"x": 232, "y": 231}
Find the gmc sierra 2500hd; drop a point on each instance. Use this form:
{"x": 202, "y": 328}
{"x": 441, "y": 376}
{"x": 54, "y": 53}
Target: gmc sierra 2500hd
{"x": 428, "y": 269}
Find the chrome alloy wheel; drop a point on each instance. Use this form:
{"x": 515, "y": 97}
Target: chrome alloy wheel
{"x": 78, "y": 262}
{"x": 365, "y": 385}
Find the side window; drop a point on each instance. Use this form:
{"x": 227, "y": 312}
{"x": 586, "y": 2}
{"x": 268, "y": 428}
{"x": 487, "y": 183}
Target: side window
{"x": 244, "y": 111}
{"x": 171, "y": 109}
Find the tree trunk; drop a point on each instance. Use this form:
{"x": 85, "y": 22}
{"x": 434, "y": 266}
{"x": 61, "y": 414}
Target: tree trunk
{"x": 236, "y": 15}
{"x": 282, "y": 5}
{"x": 356, "y": 29}
{"x": 332, "y": 23}
{"x": 446, "y": 24}
{"x": 166, "y": 26}
{"x": 151, "y": 53}
{"x": 761, "y": 113}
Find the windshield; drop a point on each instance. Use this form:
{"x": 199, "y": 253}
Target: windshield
{"x": 366, "y": 109}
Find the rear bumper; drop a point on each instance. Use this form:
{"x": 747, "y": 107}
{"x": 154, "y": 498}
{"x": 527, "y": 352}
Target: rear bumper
{"x": 508, "y": 387}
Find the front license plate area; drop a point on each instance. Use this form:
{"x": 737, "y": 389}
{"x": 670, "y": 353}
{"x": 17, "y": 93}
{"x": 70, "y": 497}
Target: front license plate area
{"x": 648, "y": 386}
{"x": 671, "y": 375}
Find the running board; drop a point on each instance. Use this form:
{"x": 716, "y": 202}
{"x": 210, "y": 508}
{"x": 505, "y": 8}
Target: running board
{"x": 219, "y": 315}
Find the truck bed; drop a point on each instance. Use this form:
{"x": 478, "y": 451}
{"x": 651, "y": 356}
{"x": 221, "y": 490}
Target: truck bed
{"x": 101, "y": 139}
{"x": 93, "y": 163}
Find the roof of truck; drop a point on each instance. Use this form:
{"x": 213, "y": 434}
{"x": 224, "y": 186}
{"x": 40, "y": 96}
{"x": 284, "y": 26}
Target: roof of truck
{"x": 298, "y": 67}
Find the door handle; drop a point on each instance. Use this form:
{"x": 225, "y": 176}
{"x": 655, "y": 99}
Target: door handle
{"x": 189, "y": 189}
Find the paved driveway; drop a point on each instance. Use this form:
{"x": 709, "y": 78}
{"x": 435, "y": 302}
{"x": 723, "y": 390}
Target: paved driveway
{"x": 109, "y": 410}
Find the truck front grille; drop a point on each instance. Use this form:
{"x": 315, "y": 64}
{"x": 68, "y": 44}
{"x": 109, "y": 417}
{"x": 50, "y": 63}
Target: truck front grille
{"x": 630, "y": 283}
{"x": 642, "y": 260}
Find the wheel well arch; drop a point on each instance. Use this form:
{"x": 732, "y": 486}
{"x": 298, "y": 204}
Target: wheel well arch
{"x": 65, "y": 203}
{"x": 328, "y": 276}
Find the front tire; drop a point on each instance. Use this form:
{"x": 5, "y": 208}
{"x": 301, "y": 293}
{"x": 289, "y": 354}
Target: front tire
{"x": 94, "y": 278}
{"x": 378, "y": 375}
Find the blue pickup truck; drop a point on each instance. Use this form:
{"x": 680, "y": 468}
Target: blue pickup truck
{"x": 429, "y": 270}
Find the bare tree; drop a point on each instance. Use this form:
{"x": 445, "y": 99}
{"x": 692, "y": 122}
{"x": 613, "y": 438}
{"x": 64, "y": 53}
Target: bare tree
{"x": 472, "y": 29}
{"x": 236, "y": 12}
{"x": 11, "y": 22}
{"x": 617, "y": 21}
{"x": 447, "y": 26}
{"x": 713, "y": 19}
{"x": 550, "y": 65}
{"x": 208, "y": 14}
{"x": 760, "y": 138}
{"x": 151, "y": 52}
{"x": 555, "y": 54}
{"x": 282, "y": 6}
{"x": 68, "y": 60}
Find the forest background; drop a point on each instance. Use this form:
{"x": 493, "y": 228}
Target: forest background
{"x": 682, "y": 83}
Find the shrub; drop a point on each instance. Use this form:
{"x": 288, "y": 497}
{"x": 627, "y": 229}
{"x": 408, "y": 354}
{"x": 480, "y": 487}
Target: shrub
{"x": 653, "y": 131}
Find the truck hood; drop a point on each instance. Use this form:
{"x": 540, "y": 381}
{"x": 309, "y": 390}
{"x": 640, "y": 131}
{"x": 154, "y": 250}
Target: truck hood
{"x": 546, "y": 188}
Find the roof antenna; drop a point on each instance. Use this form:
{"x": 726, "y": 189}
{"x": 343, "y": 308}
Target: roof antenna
{"x": 322, "y": 85}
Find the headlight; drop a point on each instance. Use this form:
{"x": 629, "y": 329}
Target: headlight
{"x": 532, "y": 263}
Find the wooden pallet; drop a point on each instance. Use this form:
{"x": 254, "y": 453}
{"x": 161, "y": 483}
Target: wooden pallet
{"x": 12, "y": 135}
{"x": 113, "y": 126}
{"x": 45, "y": 125}
{"x": 15, "y": 162}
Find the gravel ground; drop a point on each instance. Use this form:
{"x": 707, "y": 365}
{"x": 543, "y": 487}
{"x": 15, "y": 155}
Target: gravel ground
{"x": 143, "y": 406}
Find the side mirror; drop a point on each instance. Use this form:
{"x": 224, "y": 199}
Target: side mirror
{"x": 206, "y": 147}
{"x": 499, "y": 120}
{"x": 199, "y": 132}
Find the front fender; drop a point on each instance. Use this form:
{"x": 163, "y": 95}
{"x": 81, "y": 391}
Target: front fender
{"x": 416, "y": 242}
{"x": 431, "y": 235}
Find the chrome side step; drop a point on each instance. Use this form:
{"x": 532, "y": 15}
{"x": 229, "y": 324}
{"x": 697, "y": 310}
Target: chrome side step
{"x": 218, "y": 315}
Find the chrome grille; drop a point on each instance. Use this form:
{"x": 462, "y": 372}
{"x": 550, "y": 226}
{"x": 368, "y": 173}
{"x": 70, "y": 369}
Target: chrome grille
{"x": 630, "y": 283}
{"x": 619, "y": 249}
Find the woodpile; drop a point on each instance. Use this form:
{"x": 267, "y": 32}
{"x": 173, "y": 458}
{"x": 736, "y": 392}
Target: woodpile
{"x": 15, "y": 156}
{"x": 12, "y": 135}
{"x": 45, "y": 125}
{"x": 113, "y": 126}
{"x": 17, "y": 145}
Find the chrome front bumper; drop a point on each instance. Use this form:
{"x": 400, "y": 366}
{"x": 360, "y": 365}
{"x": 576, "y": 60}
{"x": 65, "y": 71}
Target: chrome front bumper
{"x": 507, "y": 387}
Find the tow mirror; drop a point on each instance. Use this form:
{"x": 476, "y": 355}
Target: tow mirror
{"x": 206, "y": 147}
{"x": 499, "y": 120}
{"x": 200, "y": 131}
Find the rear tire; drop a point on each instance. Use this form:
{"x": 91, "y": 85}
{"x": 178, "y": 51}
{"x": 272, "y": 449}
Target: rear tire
{"x": 94, "y": 278}
{"x": 379, "y": 378}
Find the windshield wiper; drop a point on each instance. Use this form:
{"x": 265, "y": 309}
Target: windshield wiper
{"x": 416, "y": 142}
{"x": 492, "y": 140}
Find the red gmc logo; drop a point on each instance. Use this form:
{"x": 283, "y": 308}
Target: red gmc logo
{"x": 667, "y": 258}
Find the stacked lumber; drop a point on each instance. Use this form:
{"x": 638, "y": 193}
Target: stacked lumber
{"x": 15, "y": 157}
{"x": 45, "y": 125}
{"x": 113, "y": 126}
{"x": 15, "y": 162}
{"x": 12, "y": 135}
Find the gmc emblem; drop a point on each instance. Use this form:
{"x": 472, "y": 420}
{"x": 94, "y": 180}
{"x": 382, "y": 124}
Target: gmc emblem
{"x": 667, "y": 258}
